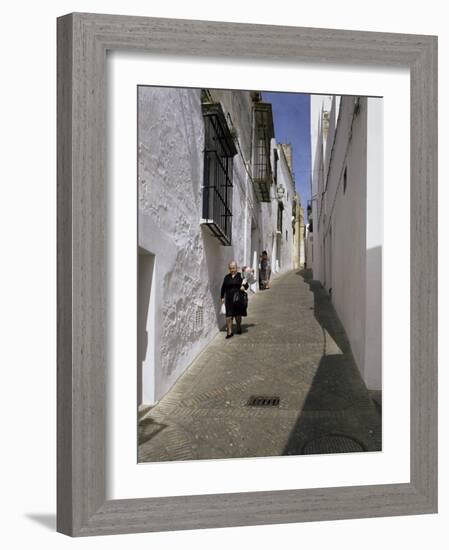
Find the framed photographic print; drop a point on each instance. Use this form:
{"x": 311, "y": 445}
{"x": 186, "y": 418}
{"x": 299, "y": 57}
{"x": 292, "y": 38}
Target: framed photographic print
{"x": 227, "y": 221}
{"x": 290, "y": 383}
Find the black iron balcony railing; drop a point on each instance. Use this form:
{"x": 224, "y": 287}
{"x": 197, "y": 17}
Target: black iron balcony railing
{"x": 263, "y": 133}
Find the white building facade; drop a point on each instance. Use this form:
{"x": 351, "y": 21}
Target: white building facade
{"x": 280, "y": 235}
{"x": 345, "y": 232}
{"x": 211, "y": 184}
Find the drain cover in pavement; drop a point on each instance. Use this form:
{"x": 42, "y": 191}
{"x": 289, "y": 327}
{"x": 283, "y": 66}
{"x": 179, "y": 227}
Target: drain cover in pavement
{"x": 263, "y": 401}
{"x": 333, "y": 443}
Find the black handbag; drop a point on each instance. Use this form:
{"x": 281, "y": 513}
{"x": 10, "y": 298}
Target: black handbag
{"x": 240, "y": 299}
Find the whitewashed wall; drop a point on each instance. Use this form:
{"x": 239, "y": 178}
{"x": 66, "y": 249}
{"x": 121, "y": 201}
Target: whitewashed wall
{"x": 279, "y": 247}
{"x": 347, "y": 237}
{"x": 286, "y": 238}
{"x": 344, "y": 230}
{"x": 318, "y": 104}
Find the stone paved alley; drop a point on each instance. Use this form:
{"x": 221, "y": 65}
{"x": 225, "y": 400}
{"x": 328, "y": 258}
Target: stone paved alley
{"x": 293, "y": 346}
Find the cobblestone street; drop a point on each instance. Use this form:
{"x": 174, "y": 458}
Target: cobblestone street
{"x": 294, "y": 347}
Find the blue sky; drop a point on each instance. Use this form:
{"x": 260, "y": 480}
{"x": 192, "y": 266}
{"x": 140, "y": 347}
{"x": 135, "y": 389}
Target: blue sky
{"x": 291, "y": 115}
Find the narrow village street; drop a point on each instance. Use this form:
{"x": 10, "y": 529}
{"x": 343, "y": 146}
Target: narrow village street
{"x": 293, "y": 347}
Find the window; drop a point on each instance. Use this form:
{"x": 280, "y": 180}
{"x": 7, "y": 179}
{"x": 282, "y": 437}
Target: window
{"x": 219, "y": 151}
{"x": 263, "y": 133}
{"x": 280, "y": 216}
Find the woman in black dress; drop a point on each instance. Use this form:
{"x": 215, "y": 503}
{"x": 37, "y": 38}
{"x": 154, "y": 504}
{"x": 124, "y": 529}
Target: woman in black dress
{"x": 231, "y": 296}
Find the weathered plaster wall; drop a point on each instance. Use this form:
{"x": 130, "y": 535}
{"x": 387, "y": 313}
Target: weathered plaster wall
{"x": 171, "y": 136}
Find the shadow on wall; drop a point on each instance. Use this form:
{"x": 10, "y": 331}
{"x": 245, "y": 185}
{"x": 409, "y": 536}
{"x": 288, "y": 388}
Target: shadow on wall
{"x": 338, "y": 414}
{"x": 325, "y": 313}
{"x": 214, "y": 263}
{"x": 374, "y": 269}
{"x": 145, "y": 271}
{"x": 373, "y": 328}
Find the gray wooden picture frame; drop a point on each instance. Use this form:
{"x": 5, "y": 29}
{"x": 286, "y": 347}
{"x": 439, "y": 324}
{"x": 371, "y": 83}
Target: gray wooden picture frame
{"x": 83, "y": 40}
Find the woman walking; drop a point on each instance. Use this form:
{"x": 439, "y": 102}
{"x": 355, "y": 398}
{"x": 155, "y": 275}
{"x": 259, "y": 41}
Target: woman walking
{"x": 265, "y": 271}
{"x": 234, "y": 298}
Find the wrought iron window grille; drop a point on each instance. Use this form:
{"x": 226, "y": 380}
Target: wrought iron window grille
{"x": 219, "y": 151}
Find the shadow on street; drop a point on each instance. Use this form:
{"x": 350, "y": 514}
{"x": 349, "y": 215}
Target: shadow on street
{"x": 338, "y": 414}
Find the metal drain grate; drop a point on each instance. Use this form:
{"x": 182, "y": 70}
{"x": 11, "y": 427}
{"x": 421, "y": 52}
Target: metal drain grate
{"x": 333, "y": 443}
{"x": 263, "y": 401}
